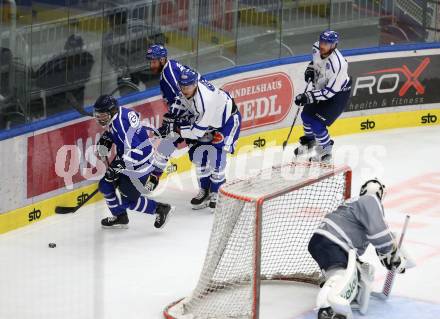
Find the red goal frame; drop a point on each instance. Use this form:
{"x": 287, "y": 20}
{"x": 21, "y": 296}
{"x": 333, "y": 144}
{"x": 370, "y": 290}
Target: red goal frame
{"x": 346, "y": 170}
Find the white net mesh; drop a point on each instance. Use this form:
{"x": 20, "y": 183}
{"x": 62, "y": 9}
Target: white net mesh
{"x": 285, "y": 211}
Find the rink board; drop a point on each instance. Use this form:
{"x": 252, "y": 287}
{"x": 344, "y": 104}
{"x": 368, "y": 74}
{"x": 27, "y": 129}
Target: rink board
{"x": 392, "y": 89}
{"x": 40, "y": 210}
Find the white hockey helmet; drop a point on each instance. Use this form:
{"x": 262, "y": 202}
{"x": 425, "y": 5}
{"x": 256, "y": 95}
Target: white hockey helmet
{"x": 373, "y": 187}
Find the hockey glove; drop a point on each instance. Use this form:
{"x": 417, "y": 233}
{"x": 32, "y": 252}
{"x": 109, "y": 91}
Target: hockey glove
{"x": 104, "y": 144}
{"x": 391, "y": 261}
{"x": 208, "y": 137}
{"x": 167, "y": 125}
{"x": 181, "y": 124}
{"x": 153, "y": 181}
{"x": 309, "y": 74}
{"x": 113, "y": 171}
{"x": 304, "y": 98}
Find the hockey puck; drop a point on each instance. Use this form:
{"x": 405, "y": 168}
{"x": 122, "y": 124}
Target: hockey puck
{"x": 52, "y": 245}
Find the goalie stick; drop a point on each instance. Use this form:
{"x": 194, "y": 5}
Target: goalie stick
{"x": 294, "y": 120}
{"x": 389, "y": 279}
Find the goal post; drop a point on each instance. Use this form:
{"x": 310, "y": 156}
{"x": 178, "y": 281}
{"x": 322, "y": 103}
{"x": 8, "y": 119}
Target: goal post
{"x": 262, "y": 226}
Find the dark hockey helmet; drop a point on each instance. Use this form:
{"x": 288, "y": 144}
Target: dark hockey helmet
{"x": 103, "y": 107}
{"x": 373, "y": 187}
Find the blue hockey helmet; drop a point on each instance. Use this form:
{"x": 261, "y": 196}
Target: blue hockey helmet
{"x": 156, "y": 52}
{"x": 188, "y": 77}
{"x": 329, "y": 36}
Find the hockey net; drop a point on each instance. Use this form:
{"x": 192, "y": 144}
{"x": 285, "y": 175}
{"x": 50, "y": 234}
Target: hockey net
{"x": 262, "y": 226}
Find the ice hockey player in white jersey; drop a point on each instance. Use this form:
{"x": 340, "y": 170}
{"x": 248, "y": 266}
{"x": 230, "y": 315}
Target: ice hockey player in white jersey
{"x": 328, "y": 98}
{"x": 211, "y": 132}
{"x": 343, "y": 236}
{"x": 169, "y": 71}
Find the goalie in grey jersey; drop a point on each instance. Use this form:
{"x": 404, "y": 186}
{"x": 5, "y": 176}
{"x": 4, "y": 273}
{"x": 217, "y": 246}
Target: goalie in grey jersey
{"x": 344, "y": 235}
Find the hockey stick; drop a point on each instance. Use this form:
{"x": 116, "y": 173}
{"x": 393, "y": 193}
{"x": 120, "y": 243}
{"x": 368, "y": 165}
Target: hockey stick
{"x": 389, "y": 279}
{"x": 76, "y": 105}
{"x": 294, "y": 120}
{"x": 70, "y": 209}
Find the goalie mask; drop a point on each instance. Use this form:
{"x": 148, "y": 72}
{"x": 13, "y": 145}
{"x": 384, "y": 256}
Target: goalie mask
{"x": 373, "y": 187}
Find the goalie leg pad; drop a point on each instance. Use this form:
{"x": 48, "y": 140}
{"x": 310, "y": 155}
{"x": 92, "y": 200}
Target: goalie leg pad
{"x": 341, "y": 288}
{"x": 366, "y": 272}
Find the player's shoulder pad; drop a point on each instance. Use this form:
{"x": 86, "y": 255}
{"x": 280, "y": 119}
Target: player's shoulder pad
{"x": 177, "y": 66}
{"x": 130, "y": 116}
{"x": 370, "y": 201}
{"x": 334, "y": 62}
{"x": 133, "y": 119}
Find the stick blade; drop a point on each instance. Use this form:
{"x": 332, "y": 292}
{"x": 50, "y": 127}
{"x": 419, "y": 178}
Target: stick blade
{"x": 64, "y": 210}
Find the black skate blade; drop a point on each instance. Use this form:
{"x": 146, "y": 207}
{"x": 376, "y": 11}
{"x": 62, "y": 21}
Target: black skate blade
{"x": 64, "y": 210}
{"x": 326, "y": 160}
{"x": 201, "y": 206}
{"x": 117, "y": 226}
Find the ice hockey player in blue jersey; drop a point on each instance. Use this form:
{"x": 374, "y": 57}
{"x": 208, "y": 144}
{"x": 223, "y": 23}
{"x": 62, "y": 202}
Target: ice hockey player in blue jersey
{"x": 328, "y": 98}
{"x": 342, "y": 237}
{"x": 170, "y": 71}
{"x": 131, "y": 169}
{"x": 211, "y": 133}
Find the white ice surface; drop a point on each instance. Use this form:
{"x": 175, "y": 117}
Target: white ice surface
{"x": 135, "y": 273}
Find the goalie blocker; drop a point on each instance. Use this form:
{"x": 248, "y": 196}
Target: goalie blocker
{"x": 343, "y": 236}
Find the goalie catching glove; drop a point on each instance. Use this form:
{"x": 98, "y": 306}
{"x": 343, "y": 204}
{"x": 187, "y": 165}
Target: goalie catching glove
{"x": 394, "y": 261}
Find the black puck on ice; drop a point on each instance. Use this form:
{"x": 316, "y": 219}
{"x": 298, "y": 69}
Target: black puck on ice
{"x": 52, "y": 245}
